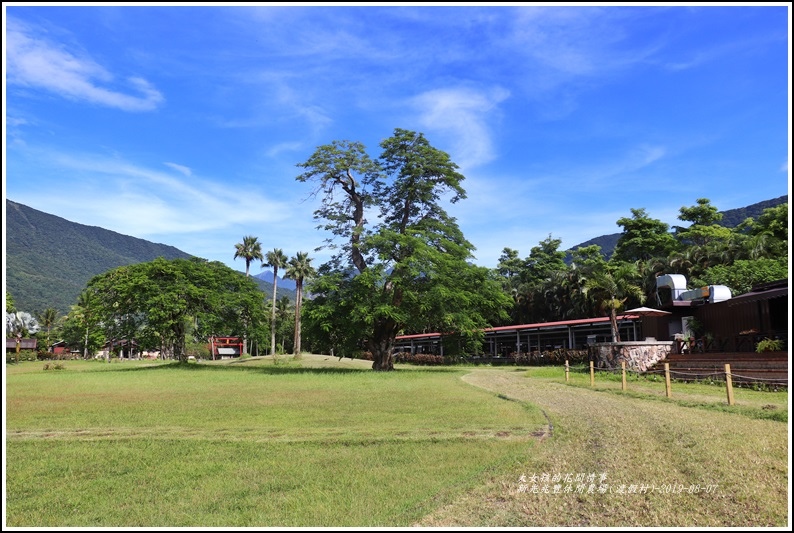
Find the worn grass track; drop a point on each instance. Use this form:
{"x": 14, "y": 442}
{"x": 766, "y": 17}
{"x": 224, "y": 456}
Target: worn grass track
{"x": 659, "y": 445}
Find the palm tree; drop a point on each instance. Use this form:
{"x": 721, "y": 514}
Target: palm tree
{"x": 48, "y": 318}
{"x": 299, "y": 269}
{"x": 249, "y": 250}
{"x": 613, "y": 288}
{"x": 275, "y": 259}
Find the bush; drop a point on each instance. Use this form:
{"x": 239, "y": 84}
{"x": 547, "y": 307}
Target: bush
{"x": 769, "y": 345}
{"x": 418, "y": 358}
{"x": 24, "y": 355}
{"x": 54, "y": 366}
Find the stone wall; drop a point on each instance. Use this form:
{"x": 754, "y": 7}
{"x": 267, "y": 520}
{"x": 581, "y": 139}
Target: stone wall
{"x": 639, "y": 356}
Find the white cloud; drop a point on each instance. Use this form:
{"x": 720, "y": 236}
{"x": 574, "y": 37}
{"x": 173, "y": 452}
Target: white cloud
{"x": 464, "y": 116}
{"x": 139, "y": 201}
{"x": 280, "y": 148}
{"x": 634, "y": 160}
{"x": 33, "y": 61}
{"x": 179, "y": 168}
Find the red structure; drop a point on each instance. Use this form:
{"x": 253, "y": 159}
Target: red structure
{"x": 222, "y": 347}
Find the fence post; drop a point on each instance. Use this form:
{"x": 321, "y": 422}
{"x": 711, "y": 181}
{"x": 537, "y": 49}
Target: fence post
{"x": 567, "y": 369}
{"x": 729, "y": 383}
{"x": 668, "y": 391}
{"x": 592, "y": 375}
{"x": 623, "y": 372}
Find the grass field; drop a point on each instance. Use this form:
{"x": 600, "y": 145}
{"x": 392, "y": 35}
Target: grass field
{"x": 249, "y": 444}
{"x": 323, "y": 442}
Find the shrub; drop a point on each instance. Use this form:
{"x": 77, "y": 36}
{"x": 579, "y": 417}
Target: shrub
{"x": 24, "y": 355}
{"x": 769, "y": 345}
{"x": 418, "y": 358}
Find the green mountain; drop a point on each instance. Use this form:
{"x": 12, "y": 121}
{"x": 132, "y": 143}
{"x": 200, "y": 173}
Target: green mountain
{"x": 730, "y": 219}
{"x": 49, "y": 260}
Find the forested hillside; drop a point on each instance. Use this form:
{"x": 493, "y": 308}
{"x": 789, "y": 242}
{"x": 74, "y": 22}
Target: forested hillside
{"x": 49, "y": 259}
{"x": 730, "y": 219}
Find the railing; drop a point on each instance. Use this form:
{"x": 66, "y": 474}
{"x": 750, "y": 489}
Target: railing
{"x": 737, "y": 343}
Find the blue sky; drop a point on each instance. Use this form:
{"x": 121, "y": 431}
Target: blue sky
{"x": 183, "y": 125}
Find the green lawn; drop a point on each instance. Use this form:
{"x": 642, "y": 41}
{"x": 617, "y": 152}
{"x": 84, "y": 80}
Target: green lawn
{"x": 326, "y": 443}
{"x": 248, "y": 444}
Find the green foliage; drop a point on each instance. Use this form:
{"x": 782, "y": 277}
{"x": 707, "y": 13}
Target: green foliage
{"x": 612, "y": 288}
{"x": 643, "y": 238}
{"x": 702, "y": 214}
{"x": 543, "y": 260}
{"x": 160, "y": 299}
{"x": 411, "y": 269}
{"x": 24, "y": 355}
{"x": 743, "y": 274}
{"x": 249, "y": 250}
{"x": 299, "y": 269}
{"x": 197, "y": 349}
{"x": 769, "y": 345}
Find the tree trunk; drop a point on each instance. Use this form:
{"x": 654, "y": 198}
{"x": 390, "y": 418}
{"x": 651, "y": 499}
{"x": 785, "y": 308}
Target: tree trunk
{"x": 382, "y": 345}
{"x": 613, "y": 319}
{"x": 179, "y": 343}
{"x": 298, "y": 302}
{"x": 273, "y": 315}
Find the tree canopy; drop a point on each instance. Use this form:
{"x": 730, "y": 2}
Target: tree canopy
{"x": 410, "y": 269}
{"x": 158, "y": 302}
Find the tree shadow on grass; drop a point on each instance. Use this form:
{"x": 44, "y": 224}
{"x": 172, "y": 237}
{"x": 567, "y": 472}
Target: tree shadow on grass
{"x": 276, "y": 369}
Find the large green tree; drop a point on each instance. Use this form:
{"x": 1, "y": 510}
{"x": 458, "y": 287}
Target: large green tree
{"x": 164, "y": 299}
{"x": 743, "y": 274}
{"x": 410, "y": 269}
{"x": 81, "y": 327}
{"x": 642, "y": 238}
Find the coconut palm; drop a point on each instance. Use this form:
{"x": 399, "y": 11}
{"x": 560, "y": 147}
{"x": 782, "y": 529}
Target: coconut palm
{"x": 612, "y": 288}
{"x": 299, "y": 269}
{"x": 275, "y": 259}
{"x": 249, "y": 250}
{"x": 48, "y": 318}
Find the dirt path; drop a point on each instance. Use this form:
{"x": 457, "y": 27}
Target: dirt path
{"x": 641, "y": 463}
